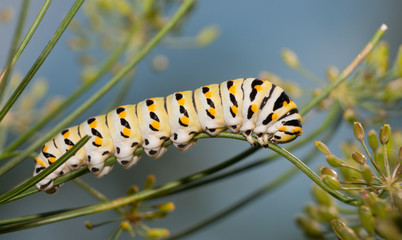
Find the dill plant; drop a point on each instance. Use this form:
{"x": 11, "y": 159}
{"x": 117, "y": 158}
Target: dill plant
{"x": 141, "y": 25}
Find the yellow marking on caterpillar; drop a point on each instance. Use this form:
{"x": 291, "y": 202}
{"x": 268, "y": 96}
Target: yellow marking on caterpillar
{"x": 185, "y": 120}
{"x": 258, "y": 87}
{"x": 282, "y": 129}
{"x": 297, "y": 129}
{"x": 93, "y": 124}
{"x": 181, "y": 102}
{"x": 274, "y": 116}
{"x": 232, "y": 89}
{"x": 52, "y": 159}
{"x": 155, "y": 124}
{"x": 234, "y": 109}
{"x": 151, "y": 108}
{"x": 66, "y": 134}
{"x": 45, "y": 148}
{"x": 212, "y": 111}
{"x": 208, "y": 94}
{"x": 123, "y": 114}
{"x": 126, "y": 131}
{"x": 98, "y": 141}
{"x": 40, "y": 162}
{"x": 254, "y": 108}
{"x": 69, "y": 147}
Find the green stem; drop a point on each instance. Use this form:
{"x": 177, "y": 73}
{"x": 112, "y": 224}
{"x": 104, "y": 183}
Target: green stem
{"x": 20, "y": 26}
{"x": 247, "y": 200}
{"x": 334, "y": 116}
{"x": 51, "y": 116}
{"x": 95, "y": 193}
{"x": 346, "y": 72}
{"x": 38, "y": 63}
{"x": 306, "y": 170}
{"x": 31, "y": 31}
{"x": 44, "y": 173}
{"x": 149, "y": 46}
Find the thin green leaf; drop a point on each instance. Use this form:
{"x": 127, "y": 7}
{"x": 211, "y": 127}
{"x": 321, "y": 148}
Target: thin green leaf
{"x": 31, "y": 182}
{"x": 20, "y": 26}
{"x": 38, "y": 63}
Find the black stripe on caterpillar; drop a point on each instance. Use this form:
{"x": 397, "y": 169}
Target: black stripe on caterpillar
{"x": 250, "y": 106}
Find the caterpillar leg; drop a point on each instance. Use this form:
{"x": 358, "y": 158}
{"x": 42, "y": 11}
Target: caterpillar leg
{"x": 156, "y": 152}
{"x": 128, "y": 162}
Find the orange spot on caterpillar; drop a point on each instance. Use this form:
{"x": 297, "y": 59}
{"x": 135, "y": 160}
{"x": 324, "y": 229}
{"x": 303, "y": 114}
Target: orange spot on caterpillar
{"x": 282, "y": 129}
{"x": 185, "y": 120}
{"x": 126, "y": 131}
{"x": 232, "y": 89}
{"x": 274, "y": 116}
{"x": 52, "y": 159}
{"x": 208, "y": 94}
{"x": 98, "y": 141}
{"x": 122, "y": 114}
{"x": 156, "y": 124}
{"x": 67, "y": 134}
{"x": 93, "y": 124}
{"x": 152, "y": 108}
{"x": 181, "y": 101}
{"x": 40, "y": 162}
{"x": 254, "y": 108}
{"x": 234, "y": 109}
{"x": 212, "y": 111}
{"x": 258, "y": 87}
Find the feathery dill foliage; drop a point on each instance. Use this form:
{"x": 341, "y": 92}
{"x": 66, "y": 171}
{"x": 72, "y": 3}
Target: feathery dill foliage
{"x": 114, "y": 36}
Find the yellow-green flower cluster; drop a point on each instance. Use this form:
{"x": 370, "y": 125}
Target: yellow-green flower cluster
{"x": 133, "y": 215}
{"x": 371, "y": 173}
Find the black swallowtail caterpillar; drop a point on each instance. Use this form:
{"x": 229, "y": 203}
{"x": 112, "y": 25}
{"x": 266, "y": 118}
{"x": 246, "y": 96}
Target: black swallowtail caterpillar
{"x": 251, "y": 106}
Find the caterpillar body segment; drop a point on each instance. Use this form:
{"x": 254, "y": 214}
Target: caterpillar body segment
{"x": 253, "y": 107}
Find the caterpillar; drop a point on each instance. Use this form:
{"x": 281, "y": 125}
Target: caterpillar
{"x": 253, "y": 107}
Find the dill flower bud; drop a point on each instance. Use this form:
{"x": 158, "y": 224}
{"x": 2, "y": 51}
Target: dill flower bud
{"x": 149, "y": 182}
{"x": 166, "y": 207}
{"x": 349, "y": 115}
{"x": 290, "y": 58}
{"x": 358, "y": 131}
{"x": 380, "y": 208}
{"x": 334, "y": 161}
{"x": 367, "y": 218}
{"x": 157, "y": 233}
{"x": 328, "y": 171}
{"x": 322, "y": 147}
{"x": 372, "y": 139}
{"x": 359, "y": 158}
{"x": 207, "y": 35}
{"x": 367, "y": 174}
{"x": 332, "y": 73}
{"x": 386, "y": 229}
{"x": 342, "y": 231}
{"x": 321, "y": 196}
{"x": 385, "y": 134}
{"x": 88, "y": 225}
{"x": 398, "y": 63}
{"x": 310, "y": 227}
{"x": 331, "y": 181}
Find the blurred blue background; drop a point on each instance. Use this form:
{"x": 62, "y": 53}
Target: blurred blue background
{"x": 322, "y": 33}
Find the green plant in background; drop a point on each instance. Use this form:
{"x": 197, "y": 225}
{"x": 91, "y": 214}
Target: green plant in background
{"x": 372, "y": 174}
{"x": 133, "y": 29}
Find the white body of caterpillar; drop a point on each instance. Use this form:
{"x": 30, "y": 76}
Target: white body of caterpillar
{"x": 251, "y": 106}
